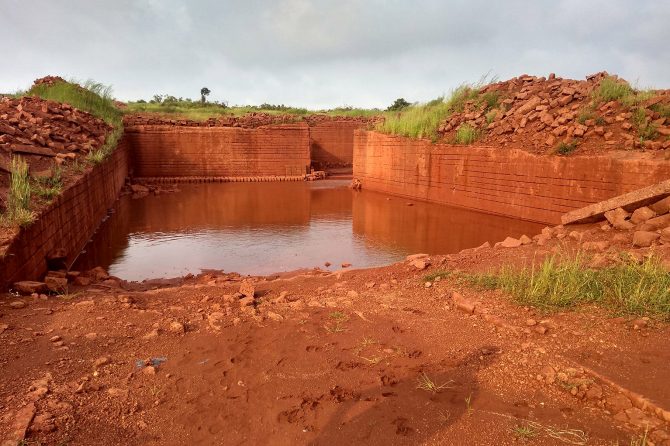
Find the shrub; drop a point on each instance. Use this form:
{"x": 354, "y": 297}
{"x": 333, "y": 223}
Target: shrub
{"x": 565, "y": 148}
{"x": 398, "y": 105}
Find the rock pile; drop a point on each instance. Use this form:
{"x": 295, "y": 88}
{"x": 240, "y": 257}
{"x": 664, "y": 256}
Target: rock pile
{"x": 538, "y": 113}
{"x": 250, "y": 120}
{"x": 37, "y": 128}
{"x": 641, "y": 232}
{"x": 48, "y": 80}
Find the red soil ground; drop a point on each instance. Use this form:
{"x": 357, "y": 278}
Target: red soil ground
{"x": 324, "y": 358}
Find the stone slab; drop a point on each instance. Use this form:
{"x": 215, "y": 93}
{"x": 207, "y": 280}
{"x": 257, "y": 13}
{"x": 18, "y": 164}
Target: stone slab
{"x": 629, "y": 202}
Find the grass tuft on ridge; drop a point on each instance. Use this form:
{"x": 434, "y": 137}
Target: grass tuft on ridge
{"x": 560, "y": 281}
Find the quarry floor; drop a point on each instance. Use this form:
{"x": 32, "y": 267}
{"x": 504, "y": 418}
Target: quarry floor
{"x": 324, "y": 358}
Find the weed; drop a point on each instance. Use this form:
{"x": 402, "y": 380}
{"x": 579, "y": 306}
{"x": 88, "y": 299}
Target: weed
{"x": 645, "y": 129}
{"x": 155, "y": 390}
{"x": 560, "y": 282}
{"x": 445, "y": 416}
{"x": 640, "y": 440}
{"x": 466, "y": 134}
{"x": 78, "y": 167}
{"x": 600, "y": 121}
{"x": 490, "y": 99}
{"x": 565, "y": 148}
{"x": 524, "y": 431}
{"x": 425, "y": 383}
{"x": 491, "y": 115}
{"x": 339, "y": 318}
{"x": 585, "y": 115}
{"x": 612, "y": 89}
{"x": 367, "y": 342}
{"x": 468, "y": 404}
{"x": 49, "y": 187}
{"x": 435, "y": 275}
{"x": 18, "y": 210}
{"x": 661, "y": 109}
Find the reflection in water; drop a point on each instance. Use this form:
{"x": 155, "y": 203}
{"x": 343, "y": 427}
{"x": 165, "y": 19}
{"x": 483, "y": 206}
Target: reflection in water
{"x": 262, "y": 228}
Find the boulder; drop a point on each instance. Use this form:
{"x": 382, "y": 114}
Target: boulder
{"x": 617, "y": 218}
{"x": 30, "y": 287}
{"x": 462, "y": 303}
{"x": 661, "y": 207}
{"x": 659, "y": 222}
{"x": 641, "y": 215}
{"x": 56, "y": 284}
{"x": 596, "y": 246}
{"x": 247, "y": 289}
{"x": 413, "y": 257}
{"x": 139, "y": 189}
{"x": 643, "y": 239}
{"x": 420, "y": 264}
{"x": 509, "y": 242}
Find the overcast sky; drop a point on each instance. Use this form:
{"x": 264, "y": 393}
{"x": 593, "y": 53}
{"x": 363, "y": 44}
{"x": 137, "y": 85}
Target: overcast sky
{"x": 322, "y": 53}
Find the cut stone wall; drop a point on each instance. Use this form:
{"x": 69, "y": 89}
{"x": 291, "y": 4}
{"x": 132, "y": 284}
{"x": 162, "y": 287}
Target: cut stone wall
{"x": 332, "y": 143}
{"x": 164, "y": 151}
{"x": 68, "y": 222}
{"x": 506, "y": 182}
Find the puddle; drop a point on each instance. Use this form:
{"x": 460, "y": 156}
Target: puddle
{"x": 263, "y": 228}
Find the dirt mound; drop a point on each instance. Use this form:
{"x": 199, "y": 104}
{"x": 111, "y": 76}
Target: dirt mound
{"x": 39, "y": 130}
{"x": 250, "y": 120}
{"x": 557, "y": 115}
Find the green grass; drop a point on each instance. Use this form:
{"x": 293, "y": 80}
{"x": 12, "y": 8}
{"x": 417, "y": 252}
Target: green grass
{"x": 662, "y": 109}
{"x": 611, "y": 89}
{"x": 524, "y": 431}
{"x": 435, "y": 275}
{"x": 91, "y": 97}
{"x": 560, "y": 282}
{"x": 422, "y": 120}
{"x": 565, "y": 148}
{"x": 427, "y": 384}
{"x": 466, "y": 134}
{"x": 416, "y": 121}
{"x": 585, "y": 115}
{"x": 17, "y": 212}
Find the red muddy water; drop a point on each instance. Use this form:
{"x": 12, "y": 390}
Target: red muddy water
{"x": 263, "y": 228}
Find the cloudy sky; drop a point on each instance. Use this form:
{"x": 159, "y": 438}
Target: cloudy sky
{"x": 323, "y": 53}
